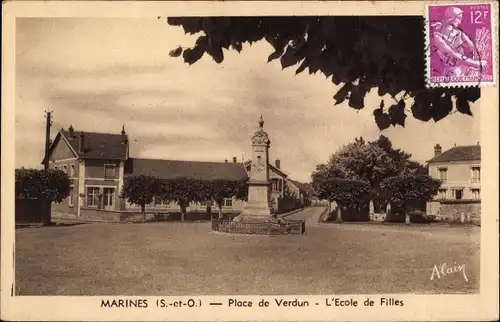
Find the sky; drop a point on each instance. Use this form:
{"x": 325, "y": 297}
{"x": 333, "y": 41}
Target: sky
{"x": 98, "y": 74}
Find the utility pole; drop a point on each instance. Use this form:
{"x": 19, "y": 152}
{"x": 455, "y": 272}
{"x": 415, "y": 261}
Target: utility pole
{"x": 48, "y": 124}
{"x": 47, "y": 208}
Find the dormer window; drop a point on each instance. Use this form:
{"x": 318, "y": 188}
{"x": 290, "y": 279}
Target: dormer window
{"x": 109, "y": 171}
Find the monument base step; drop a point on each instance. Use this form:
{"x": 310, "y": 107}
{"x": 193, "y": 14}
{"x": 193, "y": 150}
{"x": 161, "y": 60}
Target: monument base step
{"x": 250, "y": 218}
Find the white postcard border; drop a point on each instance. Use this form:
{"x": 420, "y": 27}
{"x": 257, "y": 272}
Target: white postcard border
{"x": 417, "y": 307}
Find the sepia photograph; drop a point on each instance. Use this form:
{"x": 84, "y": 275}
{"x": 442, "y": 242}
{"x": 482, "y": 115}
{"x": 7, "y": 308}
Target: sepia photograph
{"x": 272, "y": 155}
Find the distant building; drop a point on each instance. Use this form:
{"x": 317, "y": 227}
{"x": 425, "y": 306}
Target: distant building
{"x": 459, "y": 169}
{"x": 98, "y": 164}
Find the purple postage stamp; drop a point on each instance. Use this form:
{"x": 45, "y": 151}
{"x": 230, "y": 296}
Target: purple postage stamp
{"x": 460, "y": 47}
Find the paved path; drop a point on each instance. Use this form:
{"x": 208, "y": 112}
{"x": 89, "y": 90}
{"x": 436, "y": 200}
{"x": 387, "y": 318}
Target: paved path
{"x": 310, "y": 215}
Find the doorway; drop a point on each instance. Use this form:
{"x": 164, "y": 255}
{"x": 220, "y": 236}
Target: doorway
{"x": 109, "y": 198}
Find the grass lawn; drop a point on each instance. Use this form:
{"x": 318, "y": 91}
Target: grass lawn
{"x": 188, "y": 259}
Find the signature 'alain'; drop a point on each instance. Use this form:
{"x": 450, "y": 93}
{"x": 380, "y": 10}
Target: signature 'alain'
{"x": 443, "y": 270}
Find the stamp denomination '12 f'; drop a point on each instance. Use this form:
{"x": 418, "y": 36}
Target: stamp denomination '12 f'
{"x": 460, "y": 45}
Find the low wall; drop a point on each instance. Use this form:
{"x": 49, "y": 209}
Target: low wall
{"x": 31, "y": 210}
{"x": 287, "y": 205}
{"x": 115, "y": 216}
{"x": 468, "y": 211}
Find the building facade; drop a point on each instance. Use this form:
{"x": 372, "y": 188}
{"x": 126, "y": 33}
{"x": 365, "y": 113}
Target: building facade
{"x": 459, "y": 197}
{"x": 99, "y": 163}
{"x": 95, "y": 163}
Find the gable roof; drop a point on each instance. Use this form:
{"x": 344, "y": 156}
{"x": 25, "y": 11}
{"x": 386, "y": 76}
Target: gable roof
{"x": 170, "y": 169}
{"x": 459, "y": 153}
{"x": 97, "y": 145}
{"x": 54, "y": 143}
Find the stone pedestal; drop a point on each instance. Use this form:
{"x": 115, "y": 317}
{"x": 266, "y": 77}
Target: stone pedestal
{"x": 257, "y": 207}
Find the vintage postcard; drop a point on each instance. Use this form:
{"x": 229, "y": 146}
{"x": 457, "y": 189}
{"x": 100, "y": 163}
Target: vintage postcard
{"x": 237, "y": 161}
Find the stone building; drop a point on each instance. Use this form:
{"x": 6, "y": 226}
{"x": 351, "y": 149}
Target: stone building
{"x": 459, "y": 197}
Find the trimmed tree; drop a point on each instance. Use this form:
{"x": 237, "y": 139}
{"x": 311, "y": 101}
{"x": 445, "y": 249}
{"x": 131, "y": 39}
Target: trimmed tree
{"x": 51, "y": 184}
{"x": 183, "y": 191}
{"x": 141, "y": 190}
{"x": 346, "y": 193}
{"x": 219, "y": 189}
{"x": 358, "y": 54}
{"x": 409, "y": 190}
{"x": 47, "y": 185}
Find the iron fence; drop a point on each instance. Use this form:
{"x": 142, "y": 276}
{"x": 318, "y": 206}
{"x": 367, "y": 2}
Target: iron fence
{"x": 279, "y": 227}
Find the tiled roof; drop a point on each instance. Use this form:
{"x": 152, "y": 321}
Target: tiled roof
{"x": 169, "y": 169}
{"x": 98, "y": 145}
{"x": 459, "y": 153}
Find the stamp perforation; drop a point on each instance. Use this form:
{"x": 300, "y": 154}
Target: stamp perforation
{"x": 454, "y": 13}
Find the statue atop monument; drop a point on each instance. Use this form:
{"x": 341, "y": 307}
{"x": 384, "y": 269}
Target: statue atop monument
{"x": 260, "y": 137}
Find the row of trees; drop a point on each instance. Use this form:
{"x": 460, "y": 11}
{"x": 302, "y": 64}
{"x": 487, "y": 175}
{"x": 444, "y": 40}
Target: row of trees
{"x": 54, "y": 186}
{"x": 143, "y": 190}
{"x": 362, "y": 171}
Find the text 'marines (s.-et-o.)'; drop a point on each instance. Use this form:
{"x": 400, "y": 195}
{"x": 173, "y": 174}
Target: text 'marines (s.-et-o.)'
{"x": 276, "y": 302}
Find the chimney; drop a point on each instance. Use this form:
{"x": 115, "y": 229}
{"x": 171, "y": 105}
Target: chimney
{"x": 235, "y": 160}
{"x": 277, "y": 163}
{"x": 71, "y": 131}
{"x": 124, "y": 135}
{"x": 437, "y": 150}
{"x": 81, "y": 147}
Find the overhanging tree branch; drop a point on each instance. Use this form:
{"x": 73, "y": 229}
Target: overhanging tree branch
{"x": 362, "y": 53}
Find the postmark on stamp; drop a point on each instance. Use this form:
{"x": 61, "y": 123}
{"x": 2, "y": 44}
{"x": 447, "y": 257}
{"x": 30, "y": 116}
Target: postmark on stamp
{"x": 460, "y": 49}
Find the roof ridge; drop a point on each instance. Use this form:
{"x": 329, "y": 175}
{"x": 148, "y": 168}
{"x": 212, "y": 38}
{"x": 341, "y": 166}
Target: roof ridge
{"x": 465, "y": 146}
{"x": 90, "y": 132}
{"x": 178, "y": 160}
{"x": 458, "y": 153}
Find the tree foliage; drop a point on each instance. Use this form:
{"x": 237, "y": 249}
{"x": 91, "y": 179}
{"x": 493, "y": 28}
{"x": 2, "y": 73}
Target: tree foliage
{"x": 53, "y": 185}
{"x": 343, "y": 191}
{"x": 368, "y": 161}
{"x": 183, "y": 191}
{"x": 141, "y": 190}
{"x": 372, "y": 162}
{"x": 410, "y": 189}
{"x": 359, "y": 53}
{"x": 220, "y": 189}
